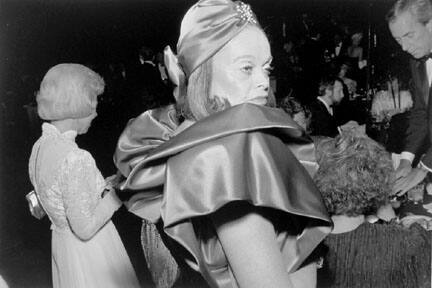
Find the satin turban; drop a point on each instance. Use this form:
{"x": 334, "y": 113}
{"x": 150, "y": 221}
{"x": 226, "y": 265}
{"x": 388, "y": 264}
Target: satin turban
{"x": 206, "y": 27}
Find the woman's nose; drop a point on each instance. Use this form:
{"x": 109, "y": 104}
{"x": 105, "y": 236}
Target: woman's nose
{"x": 263, "y": 80}
{"x": 404, "y": 46}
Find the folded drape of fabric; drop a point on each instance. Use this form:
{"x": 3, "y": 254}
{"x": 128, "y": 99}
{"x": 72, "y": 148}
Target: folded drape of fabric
{"x": 246, "y": 153}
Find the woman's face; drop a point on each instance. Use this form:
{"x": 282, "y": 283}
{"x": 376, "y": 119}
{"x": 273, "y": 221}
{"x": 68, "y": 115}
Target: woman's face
{"x": 343, "y": 71}
{"x": 241, "y": 69}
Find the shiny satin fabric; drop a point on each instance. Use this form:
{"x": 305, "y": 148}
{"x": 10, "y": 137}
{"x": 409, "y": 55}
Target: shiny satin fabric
{"x": 207, "y": 27}
{"x": 245, "y": 153}
{"x": 139, "y": 138}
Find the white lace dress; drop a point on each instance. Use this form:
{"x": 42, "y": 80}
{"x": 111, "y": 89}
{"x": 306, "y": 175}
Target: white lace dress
{"x": 86, "y": 248}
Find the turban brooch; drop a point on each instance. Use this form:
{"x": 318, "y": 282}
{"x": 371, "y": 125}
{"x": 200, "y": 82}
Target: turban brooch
{"x": 206, "y": 27}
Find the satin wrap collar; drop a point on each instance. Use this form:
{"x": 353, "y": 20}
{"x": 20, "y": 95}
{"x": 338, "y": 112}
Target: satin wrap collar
{"x": 204, "y": 167}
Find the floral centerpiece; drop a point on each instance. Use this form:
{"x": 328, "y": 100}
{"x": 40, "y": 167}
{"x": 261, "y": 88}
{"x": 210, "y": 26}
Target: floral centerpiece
{"x": 387, "y": 102}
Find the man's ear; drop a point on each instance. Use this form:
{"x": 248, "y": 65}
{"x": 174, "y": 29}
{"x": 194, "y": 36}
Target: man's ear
{"x": 328, "y": 91}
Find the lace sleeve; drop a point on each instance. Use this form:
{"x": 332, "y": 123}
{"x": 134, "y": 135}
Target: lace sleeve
{"x": 85, "y": 210}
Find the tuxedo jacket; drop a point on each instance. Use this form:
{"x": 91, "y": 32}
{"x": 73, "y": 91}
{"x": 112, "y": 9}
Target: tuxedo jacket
{"x": 322, "y": 122}
{"x": 420, "y": 121}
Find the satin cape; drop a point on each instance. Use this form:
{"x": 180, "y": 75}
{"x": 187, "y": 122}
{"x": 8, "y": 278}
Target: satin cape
{"x": 245, "y": 153}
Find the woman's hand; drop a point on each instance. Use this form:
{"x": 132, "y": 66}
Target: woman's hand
{"x": 403, "y": 169}
{"x": 422, "y": 220}
{"x": 108, "y": 189}
{"x": 403, "y": 185}
{"x": 112, "y": 180}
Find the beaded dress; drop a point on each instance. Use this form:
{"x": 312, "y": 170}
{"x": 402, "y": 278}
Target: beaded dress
{"x": 86, "y": 248}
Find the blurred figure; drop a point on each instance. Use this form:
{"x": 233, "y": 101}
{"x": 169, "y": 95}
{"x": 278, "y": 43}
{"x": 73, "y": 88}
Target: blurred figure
{"x": 390, "y": 110}
{"x": 337, "y": 48}
{"x": 355, "y": 51}
{"x": 351, "y": 85}
{"x": 355, "y": 55}
{"x": 298, "y": 112}
{"x": 330, "y": 93}
{"x": 287, "y": 68}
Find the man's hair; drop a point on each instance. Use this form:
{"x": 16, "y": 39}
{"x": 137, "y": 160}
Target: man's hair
{"x": 293, "y": 106}
{"x": 327, "y": 82}
{"x": 68, "y": 91}
{"x": 420, "y": 9}
{"x": 354, "y": 175}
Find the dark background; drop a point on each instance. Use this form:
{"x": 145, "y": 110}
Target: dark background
{"x": 35, "y": 35}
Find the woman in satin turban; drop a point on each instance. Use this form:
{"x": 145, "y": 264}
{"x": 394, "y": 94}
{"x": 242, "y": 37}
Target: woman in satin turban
{"x": 225, "y": 182}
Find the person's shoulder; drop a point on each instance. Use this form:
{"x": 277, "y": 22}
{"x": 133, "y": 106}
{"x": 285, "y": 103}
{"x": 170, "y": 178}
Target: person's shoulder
{"x": 316, "y": 105}
{"x": 162, "y": 118}
{"x": 78, "y": 157}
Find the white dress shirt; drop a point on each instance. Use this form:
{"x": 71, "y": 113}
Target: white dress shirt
{"x": 329, "y": 109}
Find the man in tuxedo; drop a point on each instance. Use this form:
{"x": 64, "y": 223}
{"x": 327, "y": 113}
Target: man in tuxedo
{"x": 323, "y": 122}
{"x": 337, "y": 49}
{"x": 411, "y": 26}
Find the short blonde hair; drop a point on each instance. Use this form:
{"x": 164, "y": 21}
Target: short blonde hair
{"x": 69, "y": 91}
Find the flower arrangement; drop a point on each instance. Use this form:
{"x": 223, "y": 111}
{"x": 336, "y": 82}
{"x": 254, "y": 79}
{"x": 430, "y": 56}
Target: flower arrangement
{"x": 389, "y": 102}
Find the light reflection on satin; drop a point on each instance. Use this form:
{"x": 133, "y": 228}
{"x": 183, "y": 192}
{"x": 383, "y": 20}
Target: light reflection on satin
{"x": 248, "y": 153}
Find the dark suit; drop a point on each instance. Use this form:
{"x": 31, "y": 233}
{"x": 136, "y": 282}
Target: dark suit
{"x": 323, "y": 123}
{"x": 342, "y": 51}
{"x": 419, "y": 131}
{"x": 311, "y": 57}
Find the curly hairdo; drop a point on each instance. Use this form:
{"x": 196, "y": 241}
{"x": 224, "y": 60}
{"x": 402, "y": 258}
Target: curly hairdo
{"x": 355, "y": 175}
{"x": 292, "y": 106}
{"x": 68, "y": 91}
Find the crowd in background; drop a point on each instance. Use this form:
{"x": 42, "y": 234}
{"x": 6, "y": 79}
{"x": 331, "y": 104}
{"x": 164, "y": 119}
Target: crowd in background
{"x": 305, "y": 49}
{"x": 313, "y": 58}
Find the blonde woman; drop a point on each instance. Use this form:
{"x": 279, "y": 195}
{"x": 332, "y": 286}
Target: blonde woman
{"x": 86, "y": 248}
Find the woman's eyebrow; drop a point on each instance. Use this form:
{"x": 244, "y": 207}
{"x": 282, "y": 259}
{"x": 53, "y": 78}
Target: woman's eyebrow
{"x": 248, "y": 57}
